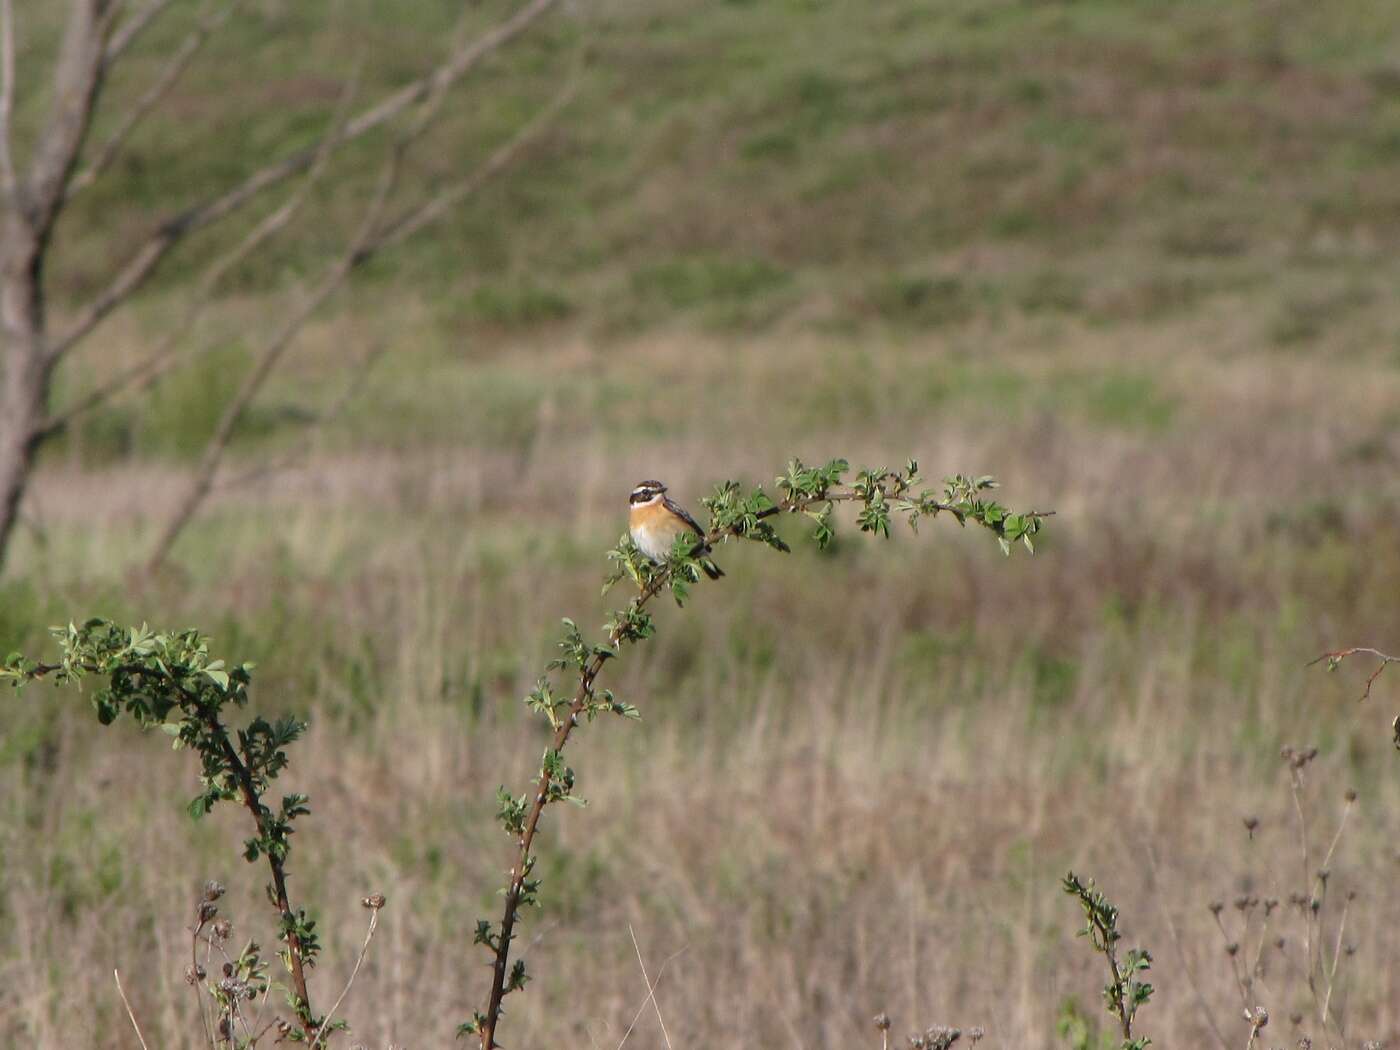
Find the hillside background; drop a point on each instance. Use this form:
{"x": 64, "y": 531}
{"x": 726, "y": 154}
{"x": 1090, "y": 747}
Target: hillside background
{"x": 1139, "y": 260}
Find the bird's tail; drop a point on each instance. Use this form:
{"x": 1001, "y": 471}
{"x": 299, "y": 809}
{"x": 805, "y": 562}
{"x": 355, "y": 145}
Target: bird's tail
{"x": 712, "y": 570}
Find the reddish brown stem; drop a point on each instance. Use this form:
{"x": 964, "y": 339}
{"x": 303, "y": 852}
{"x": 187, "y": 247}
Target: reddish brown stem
{"x": 255, "y": 807}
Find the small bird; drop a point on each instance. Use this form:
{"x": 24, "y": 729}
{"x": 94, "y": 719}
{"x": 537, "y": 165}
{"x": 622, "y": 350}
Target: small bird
{"x": 655, "y": 521}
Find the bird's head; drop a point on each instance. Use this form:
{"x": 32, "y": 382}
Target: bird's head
{"x": 647, "y": 492}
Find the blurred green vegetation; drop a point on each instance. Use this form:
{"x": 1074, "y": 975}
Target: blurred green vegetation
{"x": 810, "y": 162}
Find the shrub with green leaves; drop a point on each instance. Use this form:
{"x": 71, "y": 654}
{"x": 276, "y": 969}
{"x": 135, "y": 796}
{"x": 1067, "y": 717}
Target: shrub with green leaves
{"x": 881, "y": 497}
{"x": 170, "y": 681}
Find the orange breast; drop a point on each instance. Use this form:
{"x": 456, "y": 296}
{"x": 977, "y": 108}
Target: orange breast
{"x": 655, "y": 517}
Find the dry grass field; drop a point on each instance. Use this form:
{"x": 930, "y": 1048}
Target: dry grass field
{"x": 1152, "y": 290}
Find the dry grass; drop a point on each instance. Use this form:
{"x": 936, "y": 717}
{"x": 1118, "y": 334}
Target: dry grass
{"x": 858, "y": 778}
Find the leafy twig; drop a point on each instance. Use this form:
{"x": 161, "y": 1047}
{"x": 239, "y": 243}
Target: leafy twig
{"x": 882, "y": 495}
{"x": 1124, "y": 993}
{"x": 170, "y": 682}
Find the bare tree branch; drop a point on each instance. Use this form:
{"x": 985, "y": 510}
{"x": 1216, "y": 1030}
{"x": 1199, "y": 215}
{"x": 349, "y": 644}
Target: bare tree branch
{"x": 1336, "y": 656}
{"x": 77, "y": 80}
{"x": 126, "y": 35}
{"x": 369, "y": 239}
{"x": 152, "y": 96}
{"x": 358, "y": 377}
{"x": 429, "y": 211}
{"x": 272, "y": 352}
{"x": 7, "y": 100}
{"x": 135, "y": 272}
{"x": 145, "y": 373}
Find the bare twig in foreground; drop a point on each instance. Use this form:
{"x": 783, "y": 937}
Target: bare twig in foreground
{"x": 120, "y": 991}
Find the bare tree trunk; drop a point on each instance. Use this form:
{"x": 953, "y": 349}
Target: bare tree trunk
{"x": 26, "y": 371}
{"x": 33, "y": 196}
{"x": 30, "y": 208}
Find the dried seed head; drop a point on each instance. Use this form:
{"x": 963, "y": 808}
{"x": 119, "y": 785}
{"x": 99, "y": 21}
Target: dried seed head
{"x": 1250, "y": 825}
{"x": 223, "y": 929}
{"x": 374, "y": 901}
{"x": 194, "y": 973}
{"x": 1349, "y": 949}
{"x": 1270, "y": 903}
{"x": 1324, "y": 874}
{"x": 1232, "y": 949}
{"x": 1216, "y": 907}
{"x": 1257, "y": 1018}
{"x": 975, "y": 1035}
{"x": 882, "y": 1022}
{"x": 207, "y": 910}
{"x": 213, "y": 890}
{"x": 1350, "y": 795}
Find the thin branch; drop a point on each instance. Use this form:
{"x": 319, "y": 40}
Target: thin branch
{"x": 651, "y": 992}
{"x": 271, "y": 353}
{"x": 414, "y": 220}
{"x": 193, "y": 976}
{"x": 1335, "y": 658}
{"x": 174, "y": 69}
{"x": 142, "y": 375}
{"x": 368, "y": 241}
{"x": 1331, "y": 973}
{"x": 364, "y": 950}
{"x": 1341, "y": 826}
{"x": 120, "y": 991}
{"x": 358, "y": 379}
{"x": 125, "y": 36}
{"x": 273, "y": 350}
{"x": 134, "y": 273}
{"x": 77, "y": 82}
